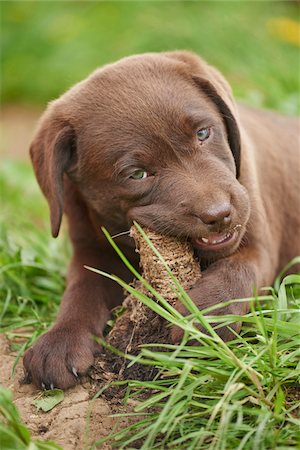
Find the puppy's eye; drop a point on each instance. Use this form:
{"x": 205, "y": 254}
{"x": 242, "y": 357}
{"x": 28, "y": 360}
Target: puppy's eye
{"x": 203, "y": 134}
{"x": 139, "y": 174}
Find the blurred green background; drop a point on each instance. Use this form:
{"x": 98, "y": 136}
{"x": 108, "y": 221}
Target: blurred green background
{"x": 49, "y": 45}
{"x": 46, "y": 46}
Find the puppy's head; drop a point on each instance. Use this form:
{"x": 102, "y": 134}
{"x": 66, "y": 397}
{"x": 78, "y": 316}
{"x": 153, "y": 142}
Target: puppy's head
{"x": 153, "y": 138}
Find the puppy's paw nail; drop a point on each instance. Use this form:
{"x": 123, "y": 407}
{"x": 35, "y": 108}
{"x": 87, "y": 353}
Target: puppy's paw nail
{"x": 74, "y": 371}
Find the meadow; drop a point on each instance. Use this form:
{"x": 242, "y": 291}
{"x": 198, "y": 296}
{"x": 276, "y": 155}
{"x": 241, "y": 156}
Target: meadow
{"x": 241, "y": 395}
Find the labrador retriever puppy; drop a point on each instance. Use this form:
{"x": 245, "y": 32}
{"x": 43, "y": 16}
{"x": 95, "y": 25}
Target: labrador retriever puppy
{"x": 158, "y": 138}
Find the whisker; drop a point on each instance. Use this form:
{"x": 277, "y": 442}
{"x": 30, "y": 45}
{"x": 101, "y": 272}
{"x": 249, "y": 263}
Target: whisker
{"x": 121, "y": 234}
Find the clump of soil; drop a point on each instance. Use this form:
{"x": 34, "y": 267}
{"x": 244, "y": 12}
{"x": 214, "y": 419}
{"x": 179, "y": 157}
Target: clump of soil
{"x": 139, "y": 324}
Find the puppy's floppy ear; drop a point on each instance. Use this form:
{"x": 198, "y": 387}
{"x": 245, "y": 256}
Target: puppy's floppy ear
{"x": 232, "y": 129}
{"x": 210, "y": 81}
{"x": 52, "y": 153}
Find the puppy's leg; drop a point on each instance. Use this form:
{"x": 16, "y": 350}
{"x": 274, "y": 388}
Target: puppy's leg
{"x": 234, "y": 277}
{"x": 67, "y": 350}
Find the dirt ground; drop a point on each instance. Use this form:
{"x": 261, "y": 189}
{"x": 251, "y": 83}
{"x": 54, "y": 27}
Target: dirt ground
{"x": 66, "y": 423}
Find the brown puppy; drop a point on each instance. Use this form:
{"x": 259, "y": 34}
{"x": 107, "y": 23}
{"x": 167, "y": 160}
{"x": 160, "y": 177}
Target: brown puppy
{"x": 157, "y": 138}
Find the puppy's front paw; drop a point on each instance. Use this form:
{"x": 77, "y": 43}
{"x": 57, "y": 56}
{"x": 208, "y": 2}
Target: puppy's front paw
{"x": 59, "y": 357}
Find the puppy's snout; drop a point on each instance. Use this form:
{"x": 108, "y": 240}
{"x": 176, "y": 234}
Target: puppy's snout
{"x": 219, "y": 214}
{"x": 215, "y": 215}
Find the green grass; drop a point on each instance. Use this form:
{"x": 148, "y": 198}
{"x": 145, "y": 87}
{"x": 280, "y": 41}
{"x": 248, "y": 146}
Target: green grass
{"x": 239, "y": 395}
{"x": 47, "y": 46}
{"x": 32, "y": 265}
{"x": 32, "y": 271}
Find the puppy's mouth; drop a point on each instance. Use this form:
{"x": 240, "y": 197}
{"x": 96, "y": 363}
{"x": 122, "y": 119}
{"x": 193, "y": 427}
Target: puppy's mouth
{"x": 217, "y": 241}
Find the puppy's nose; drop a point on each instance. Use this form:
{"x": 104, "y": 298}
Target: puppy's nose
{"x": 219, "y": 214}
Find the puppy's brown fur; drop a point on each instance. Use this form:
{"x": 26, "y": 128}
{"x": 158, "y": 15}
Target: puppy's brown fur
{"x": 144, "y": 112}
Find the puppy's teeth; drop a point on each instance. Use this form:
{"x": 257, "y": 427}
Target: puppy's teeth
{"x": 43, "y": 386}
{"x": 51, "y": 386}
{"x": 218, "y": 241}
{"x": 74, "y": 372}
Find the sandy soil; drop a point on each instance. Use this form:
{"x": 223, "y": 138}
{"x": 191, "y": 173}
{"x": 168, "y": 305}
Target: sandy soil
{"x": 65, "y": 424}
